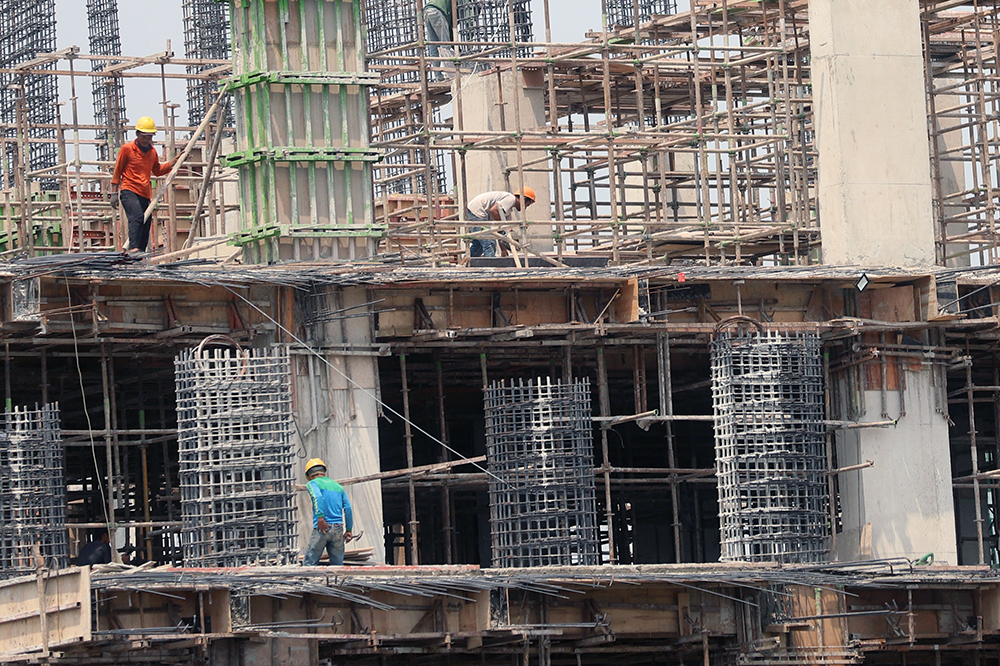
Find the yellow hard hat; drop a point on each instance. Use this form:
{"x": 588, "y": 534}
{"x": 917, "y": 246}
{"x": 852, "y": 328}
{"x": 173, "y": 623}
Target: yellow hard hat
{"x": 527, "y": 193}
{"x": 315, "y": 462}
{"x": 145, "y": 125}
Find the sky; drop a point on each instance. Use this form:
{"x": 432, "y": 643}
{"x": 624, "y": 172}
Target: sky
{"x": 147, "y": 26}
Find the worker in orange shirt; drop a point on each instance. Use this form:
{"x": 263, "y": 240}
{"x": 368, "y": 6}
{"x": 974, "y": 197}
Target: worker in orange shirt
{"x": 136, "y": 162}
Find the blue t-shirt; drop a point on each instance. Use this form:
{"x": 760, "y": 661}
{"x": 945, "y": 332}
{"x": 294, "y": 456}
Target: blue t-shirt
{"x": 330, "y": 502}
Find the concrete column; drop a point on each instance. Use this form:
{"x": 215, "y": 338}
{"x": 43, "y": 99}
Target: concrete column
{"x": 338, "y": 419}
{"x": 871, "y": 131}
{"x": 906, "y": 498}
{"x": 488, "y": 104}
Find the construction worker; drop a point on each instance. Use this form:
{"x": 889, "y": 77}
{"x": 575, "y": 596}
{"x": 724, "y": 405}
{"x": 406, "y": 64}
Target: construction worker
{"x": 494, "y": 206}
{"x": 437, "y": 28}
{"x": 97, "y": 551}
{"x": 331, "y": 515}
{"x": 137, "y": 161}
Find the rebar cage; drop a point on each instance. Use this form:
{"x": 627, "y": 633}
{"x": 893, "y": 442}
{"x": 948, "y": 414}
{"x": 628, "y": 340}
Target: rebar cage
{"x": 207, "y": 35}
{"x": 540, "y": 455}
{"x": 28, "y": 29}
{"x": 490, "y": 21}
{"x": 623, "y": 12}
{"x": 109, "y": 92}
{"x": 234, "y": 425}
{"x": 392, "y": 24}
{"x": 767, "y": 393}
{"x": 32, "y": 492}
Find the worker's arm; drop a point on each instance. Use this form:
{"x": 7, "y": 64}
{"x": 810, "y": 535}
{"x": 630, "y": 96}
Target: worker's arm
{"x": 495, "y": 213}
{"x": 120, "y": 163}
{"x": 348, "y": 515}
{"x": 116, "y": 177}
{"x": 317, "y": 513}
{"x": 161, "y": 168}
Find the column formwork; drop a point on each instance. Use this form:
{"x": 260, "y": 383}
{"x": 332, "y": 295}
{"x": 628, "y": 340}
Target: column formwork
{"x": 302, "y": 131}
{"x": 540, "y": 456}
{"x": 234, "y": 428}
{"x": 32, "y": 492}
{"x": 770, "y": 446}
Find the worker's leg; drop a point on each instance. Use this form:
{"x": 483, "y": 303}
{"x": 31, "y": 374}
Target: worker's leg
{"x": 436, "y": 29}
{"x": 317, "y": 542}
{"x": 477, "y": 246}
{"x": 135, "y": 209}
{"x": 489, "y": 248}
{"x": 335, "y": 544}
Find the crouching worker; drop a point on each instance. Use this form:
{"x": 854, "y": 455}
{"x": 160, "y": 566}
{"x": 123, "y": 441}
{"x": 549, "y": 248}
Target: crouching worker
{"x": 332, "y": 518}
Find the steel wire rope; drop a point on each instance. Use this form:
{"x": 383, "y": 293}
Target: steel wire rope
{"x": 86, "y": 412}
{"x": 351, "y": 380}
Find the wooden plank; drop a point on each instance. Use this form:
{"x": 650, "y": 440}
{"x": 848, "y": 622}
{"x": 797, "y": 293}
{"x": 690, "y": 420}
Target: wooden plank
{"x": 37, "y": 615}
{"x": 626, "y": 306}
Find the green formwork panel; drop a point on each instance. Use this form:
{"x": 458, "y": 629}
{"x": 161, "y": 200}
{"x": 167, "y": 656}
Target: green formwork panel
{"x": 47, "y": 236}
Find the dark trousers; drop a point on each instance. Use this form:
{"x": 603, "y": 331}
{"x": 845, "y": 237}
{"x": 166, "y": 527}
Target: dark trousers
{"x": 484, "y": 247}
{"x": 135, "y": 208}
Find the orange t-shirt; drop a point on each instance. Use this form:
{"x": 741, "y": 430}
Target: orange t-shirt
{"x": 133, "y": 169}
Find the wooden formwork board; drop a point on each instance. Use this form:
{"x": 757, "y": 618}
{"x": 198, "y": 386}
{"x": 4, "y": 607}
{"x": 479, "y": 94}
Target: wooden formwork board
{"x": 282, "y": 247}
{"x": 316, "y": 195}
{"x": 316, "y": 112}
{"x": 38, "y": 613}
{"x": 297, "y": 35}
{"x": 203, "y": 610}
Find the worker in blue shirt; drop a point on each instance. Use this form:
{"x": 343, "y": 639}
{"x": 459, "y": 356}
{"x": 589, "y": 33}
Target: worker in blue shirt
{"x": 331, "y": 515}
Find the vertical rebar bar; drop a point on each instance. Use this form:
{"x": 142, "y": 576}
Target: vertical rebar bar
{"x": 622, "y": 12}
{"x": 484, "y": 22}
{"x": 28, "y": 29}
{"x": 207, "y": 36}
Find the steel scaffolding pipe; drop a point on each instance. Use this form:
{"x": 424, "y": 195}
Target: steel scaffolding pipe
{"x": 770, "y": 446}
{"x": 234, "y": 425}
{"x": 32, "y": 492}
{"x": 540, "y": 455}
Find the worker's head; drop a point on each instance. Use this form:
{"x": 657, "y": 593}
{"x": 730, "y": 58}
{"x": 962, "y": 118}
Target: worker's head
{"x": 315, "y": 468}
{"x": 144, "y": 131}
{"x": 525, "y": 197}
{"x": 101, "y": 535}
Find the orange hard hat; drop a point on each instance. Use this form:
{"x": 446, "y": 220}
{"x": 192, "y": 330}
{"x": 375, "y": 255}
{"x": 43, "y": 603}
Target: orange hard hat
{"x": 527, "y": 193}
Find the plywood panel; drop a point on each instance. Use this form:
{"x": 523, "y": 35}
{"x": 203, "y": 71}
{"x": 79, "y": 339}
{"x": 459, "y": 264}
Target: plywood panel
{"x": 63, "y": 597}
